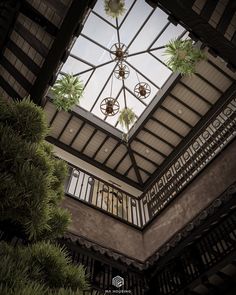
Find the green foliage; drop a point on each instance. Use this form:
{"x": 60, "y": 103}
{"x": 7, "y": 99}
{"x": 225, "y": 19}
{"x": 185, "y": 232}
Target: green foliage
{"x": 31, "y": 187}
{"x": 183, "y": 56}
{"x": 67, "y": 92}
{"x": 126, "y": 117}
{"x": 41, "y": 268}
{"x": 31, "y": 178}
{"x": 114, "y": 8}
{"x": 25, "y": 118}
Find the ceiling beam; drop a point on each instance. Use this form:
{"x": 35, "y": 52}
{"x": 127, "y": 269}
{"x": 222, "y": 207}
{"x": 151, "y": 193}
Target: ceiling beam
{"x": 222, "y": 101}
{"x": 209, "y": 83}
{"x": 68, "y": 28}
{"x": 83, "y": 157}
{"x": 220, "y": 69}
{"x": 158, "y": 137}
{"x": 111, "y": 153}
{"x": 89, "y": 139}
{"x": 99, "y": 148}
{"x": 31, "y": 39}
{"x": 195, "y": 93}
{"x": 171, "y": 113}
{"x": 8, "y": 89}
{"x": 77, "y": 133}
{"x": 150, "y": 147}
{"x": 23, "y": 57}
{"x": 208, "y": 9}
{"x": 200, "y": 27}
{"x": 186, "y": 105}
{"x": 137, "y": 173}
{"x": 153, "y": 106}
{"x": 167, "y": 127}
{"x": 30, "y": 12}
{"x": 226, "y": 18}
{"x": 56, "y": 6}
{"x": 17, "y": 75}
{"x": 8, "y": 13}
{"x": 121, "y": 160}
{"x": 65, "y": 126}
{"x": 146, "y": 159}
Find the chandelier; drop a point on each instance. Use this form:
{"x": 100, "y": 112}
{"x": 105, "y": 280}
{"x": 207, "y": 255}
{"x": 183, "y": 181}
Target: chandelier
{"x": 110, "y": 105}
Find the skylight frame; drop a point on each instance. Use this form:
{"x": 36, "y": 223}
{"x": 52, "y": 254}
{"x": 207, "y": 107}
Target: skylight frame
{"x": 123, "y": 89}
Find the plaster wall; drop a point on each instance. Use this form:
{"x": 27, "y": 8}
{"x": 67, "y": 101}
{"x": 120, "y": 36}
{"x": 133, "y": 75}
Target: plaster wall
{"x": 111, "y": 233}
{"x": 104, "y": 230}
{"x": 204, "y": 189}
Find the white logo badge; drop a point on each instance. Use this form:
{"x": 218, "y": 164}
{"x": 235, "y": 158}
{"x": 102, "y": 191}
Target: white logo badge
{"x": 118, "y": 281}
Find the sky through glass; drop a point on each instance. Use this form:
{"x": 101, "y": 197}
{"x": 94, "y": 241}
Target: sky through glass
{"x": 141, "y": 33}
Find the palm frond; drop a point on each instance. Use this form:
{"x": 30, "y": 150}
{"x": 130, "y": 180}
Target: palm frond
{"x": 114, "y": 8}
{"x": 126, "y": 117}
{"x": 67, "y": 92}
{"x": 183, "y": 56}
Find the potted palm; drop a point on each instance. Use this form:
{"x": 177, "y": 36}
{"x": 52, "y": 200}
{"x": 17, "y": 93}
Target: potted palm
{"x": 67, "y": 92}
{"x": 183, "y": 56}
{"x": 114, "y": 8}
{"x": 126, "y": 118}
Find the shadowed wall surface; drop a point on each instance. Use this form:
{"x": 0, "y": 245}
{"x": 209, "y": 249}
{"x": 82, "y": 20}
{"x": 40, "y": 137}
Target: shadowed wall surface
{"x": 111, "y": 233}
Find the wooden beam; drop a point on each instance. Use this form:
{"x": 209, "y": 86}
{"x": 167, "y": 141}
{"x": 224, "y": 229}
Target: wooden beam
{"x": 135, "y": 166}
{"x": 18, "y": 76}
{"x": 56, "y": 5}
{"x": 193, "y": 133}
{"x": 111, "y": 153}
{"x": 152, "y": 107}
{"x": 158, "y": 137}
{"x": 150, "y": 147}
{"x": 73, "y": 18}
{"x": 146, "y": 159}
{"x": 99, "y": 148}
{"x": 7, "y": 20}
{"x": 200, "y": 27}
{"x": 8, "y": 89}
{"x": 30, "y": 12}
{"x": 89, "y": 139}
{"x": 226, "y": 18}
{"x": 23, "y": 57}
{"x": 95, "y": 163}
{"x": 31, "y": 39}
{"x": 208, "y": 9}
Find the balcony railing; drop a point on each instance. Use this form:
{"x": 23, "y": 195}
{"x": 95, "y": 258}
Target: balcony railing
{"x": 195, "y": 260}
{"x": 210, "y": 139}
{"x": 104, "y": 196}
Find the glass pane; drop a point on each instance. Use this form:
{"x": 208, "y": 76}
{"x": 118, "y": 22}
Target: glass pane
{"x": 92, "y": 59}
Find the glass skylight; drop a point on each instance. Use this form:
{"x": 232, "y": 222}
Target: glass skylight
{"x": 144, "y": 31}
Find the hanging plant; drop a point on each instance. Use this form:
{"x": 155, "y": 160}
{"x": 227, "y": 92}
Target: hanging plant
{"x": 126, "y": 117}
{"x": 114, "y": 8}
{"x": 67, "y": 92}
{"x": 183, "y": 56}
